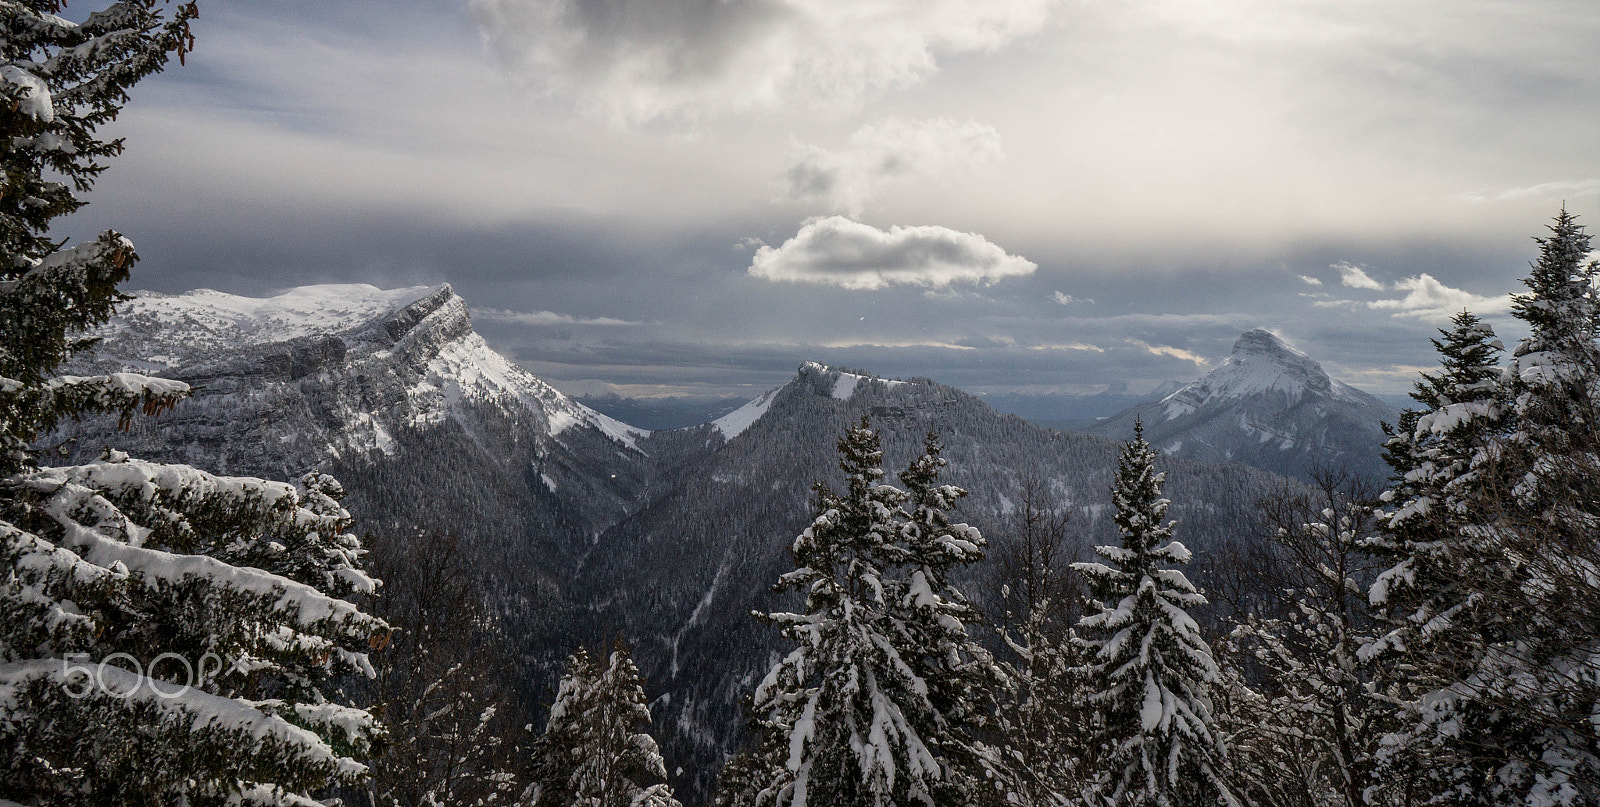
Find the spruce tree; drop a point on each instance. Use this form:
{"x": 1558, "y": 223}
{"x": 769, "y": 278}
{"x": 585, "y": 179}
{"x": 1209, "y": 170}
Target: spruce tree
{"x": 166, "y": 635}
{"x": 1539, "y": 678}
{"x": 931, "y": 615}
{"x": 1149, "y": 670}
{"x": 1494, "y": 596}
{"x": 847, "y": 706}
{"x": 595, "y": 750}
{"x": 1435, "y": 622}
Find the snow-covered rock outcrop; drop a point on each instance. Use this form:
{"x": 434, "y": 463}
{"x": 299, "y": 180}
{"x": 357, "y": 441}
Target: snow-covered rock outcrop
{"x": 287, "y": 382}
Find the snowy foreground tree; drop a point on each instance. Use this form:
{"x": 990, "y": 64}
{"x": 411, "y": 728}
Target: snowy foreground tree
{"x": 595, "y": 752}
{"x": 1493, "y": 599}
{"x": 1149, "y": 670}
{"x": 166, "y": 636}
{"x": 880, "y": 699}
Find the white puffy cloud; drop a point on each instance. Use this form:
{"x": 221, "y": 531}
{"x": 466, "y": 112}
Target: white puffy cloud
{"x": 837, "y": 251}
{"x": 1066, "y": 299}
{"x": 1355, "y": 277}
{"x": 1310, "y": 281}
{"x": 1431, "y": 301}
{"x": 633, "y": 61}
{"x": 884, "y": 152}
{"x": 543, "y": 318}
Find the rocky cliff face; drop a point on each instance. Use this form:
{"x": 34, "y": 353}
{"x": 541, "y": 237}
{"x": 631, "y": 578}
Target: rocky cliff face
{"x": 1270, "y": 406}
{"x": 392, "y": 389}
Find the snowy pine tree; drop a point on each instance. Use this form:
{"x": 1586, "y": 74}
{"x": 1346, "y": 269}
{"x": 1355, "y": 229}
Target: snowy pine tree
{"x": 851, "y": 709}
{"x": 1149, "y": 670}
{"x": 1434, "y": 625}
{"x": 930, "y": 616}
{"x": 595, "y": 751}
{"x": 1494, "y": 595}
{"x": 1538, "y": 682}
{"x": 166, "y": 635}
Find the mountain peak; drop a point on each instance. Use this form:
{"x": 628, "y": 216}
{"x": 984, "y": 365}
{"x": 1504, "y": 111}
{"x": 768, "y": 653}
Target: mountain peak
{"x": 1268, "y": 405}
{"x": 1262, "y": 342}
{"x": 1261, "y": 363}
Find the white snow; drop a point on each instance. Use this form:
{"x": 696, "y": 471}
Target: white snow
{"x": 469, "y": 365}
{"x": 205, "y": 326}
{"x": 205, "y": 319}
{"x": 734, "y": 423}
{"x": 845, "y": 386}
{"x": 1260, "y": 363}
{"x": 35, "y": 102}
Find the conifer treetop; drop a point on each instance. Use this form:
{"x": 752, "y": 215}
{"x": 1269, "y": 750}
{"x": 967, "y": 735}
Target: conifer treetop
{"x": 1149, "y": 670}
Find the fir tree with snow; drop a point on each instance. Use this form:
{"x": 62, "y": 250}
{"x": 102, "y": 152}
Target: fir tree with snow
{"x": 1434, "y": 625}
{"x": 1149, "y": 671}
{"x": 595, "y": 750}
{"x": 853, "y": 714}
{"x": 166, "y": 635}
{"x": 1493, "y": 595}
{"x": 931, "y": 615}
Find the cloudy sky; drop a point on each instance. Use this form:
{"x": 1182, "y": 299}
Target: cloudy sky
{"x": 692, "y": 196}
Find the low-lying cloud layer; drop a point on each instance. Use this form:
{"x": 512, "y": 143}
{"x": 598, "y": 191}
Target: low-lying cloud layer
{"x": 888, "y": 151}
{"x": 634, "y": 61}
{"x": 506, "y": 317}
{"x": 840, "y": 252}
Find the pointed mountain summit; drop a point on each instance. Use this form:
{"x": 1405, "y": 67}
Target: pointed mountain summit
{"x": 1269, "y": 405}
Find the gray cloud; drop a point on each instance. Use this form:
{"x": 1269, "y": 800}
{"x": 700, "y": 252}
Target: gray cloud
{"x": 633, "y": 61}
{"x": 885, "y": 152}
{"x": 840, "y": 252}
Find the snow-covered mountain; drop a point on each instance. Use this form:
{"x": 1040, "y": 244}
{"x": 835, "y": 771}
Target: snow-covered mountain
{"x": 391, "y": 389}
{"x": 1269, "y": 405}
{"x": 390, "y": 359}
